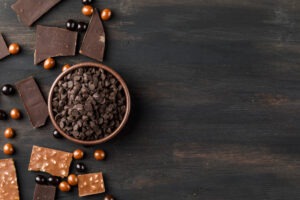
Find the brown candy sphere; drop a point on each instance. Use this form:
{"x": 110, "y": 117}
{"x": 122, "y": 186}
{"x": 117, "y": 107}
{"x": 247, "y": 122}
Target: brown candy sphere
{"x": 99, "y": 154}
{"x": 105, "y": 14}
{"x": 109, "y": 197}
{"x": 49, "y": 63}
{"x": 72, "y": 180}
{"x": 9, "y": 133}
{"x": 8, "y": 149}
{"x": 78, "y": 154}
{"x": 87, "y": 10}
{"x": 64, "y": 186}
{"x": 65, "y": 67}
{"x": 14, "y": 48}
{"x": 15, "y": 113}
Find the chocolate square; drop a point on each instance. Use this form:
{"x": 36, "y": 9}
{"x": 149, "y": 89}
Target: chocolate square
{"x": 54, "y": 162}
{"x": 29, "y": 11}
{"x": 8, "y": 180}
{"x": 53, "y": 42}
{"x": 3, "y": 48}
{"x": 44, "y": 192}
{"x": 90, "y": 184}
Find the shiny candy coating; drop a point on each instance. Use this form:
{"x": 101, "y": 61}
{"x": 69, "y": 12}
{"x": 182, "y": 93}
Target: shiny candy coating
{"x": 15, "y": 113}
{"x": 14, "y": 48}
{"x": 7, "y": 89}
{"x": 40, "y": 179}
{"x": 80, "y": 167}
{"x": 71, "y": 25}
{"x": 9, "y": 133}
{"x": 64, "y": 186}
{"x": 8, "y": 149}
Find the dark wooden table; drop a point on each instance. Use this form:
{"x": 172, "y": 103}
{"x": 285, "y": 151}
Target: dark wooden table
{"x": 215, "y": 88}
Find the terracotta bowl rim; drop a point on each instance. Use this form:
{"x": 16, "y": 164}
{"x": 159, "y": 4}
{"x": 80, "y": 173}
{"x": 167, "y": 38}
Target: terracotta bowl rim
{"x": 127, "y": 96}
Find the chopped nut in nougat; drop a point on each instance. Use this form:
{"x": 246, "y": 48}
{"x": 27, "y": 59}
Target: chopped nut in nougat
{"x": 8, "y": 180}
{"x": 89, "y": 184}
{"x": 54, "y": 162}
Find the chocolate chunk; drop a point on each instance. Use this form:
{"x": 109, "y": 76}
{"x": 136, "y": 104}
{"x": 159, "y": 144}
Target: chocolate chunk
{"x": 53, "y": 42}
{"x": 93, "y": 44}
{"x": 54, "y": 162}
{"x": 3, "y": 48}
{"x": 8, "y": 180}
{"x": 29, "y": 11}
{"x": 33, "y": 101}
{"x": 89, "y": 184}
{"x": 44, "y": 192}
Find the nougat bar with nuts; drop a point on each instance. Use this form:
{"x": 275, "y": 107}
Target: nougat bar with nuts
{"x": 54, "y": 162}
{"x": 89, "y": 184}
{"x": 8, "y": 180}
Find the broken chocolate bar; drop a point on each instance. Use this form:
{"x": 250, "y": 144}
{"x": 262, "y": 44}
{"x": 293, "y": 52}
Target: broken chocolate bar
{"x": 44, "y": 192}
{"x": 29, "y": 11}
{"x": 3, "y": 48}
{"x": 33, "y": 101}
{"x": 93, "y": 44}
{"x": 53, "y": 42}
{"x": 54, "y": 162}
{"x": 90, "y": 184}
{"x": 8, "y": 180}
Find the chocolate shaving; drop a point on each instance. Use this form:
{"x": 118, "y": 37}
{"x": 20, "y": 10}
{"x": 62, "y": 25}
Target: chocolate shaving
{"x": 28, "y": 11}
{"x": 93, "y": 44}
{"x": 3, "y": 48}
{"x": 53, "y": 42}
{"x": 44, "y": 192}
{"x": 33, "y": 101}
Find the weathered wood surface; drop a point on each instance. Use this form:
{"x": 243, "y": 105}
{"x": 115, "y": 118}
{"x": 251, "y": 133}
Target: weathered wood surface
{"x": 215, "y": 87}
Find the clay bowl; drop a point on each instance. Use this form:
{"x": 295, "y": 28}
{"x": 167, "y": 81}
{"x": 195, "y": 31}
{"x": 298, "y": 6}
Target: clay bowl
{"x": 127, "y": 96}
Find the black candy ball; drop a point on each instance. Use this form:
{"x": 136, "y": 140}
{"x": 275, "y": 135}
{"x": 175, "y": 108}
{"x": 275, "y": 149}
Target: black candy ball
{"x": 7, "y": 89}
{"x": 80, "y": 167}
{"x": 82, "y": 26}
{"x": 87, "y": 2}
{"x": 40, "y": 179}
{"x": 71, "y": 25}
{"x": 54, "y": 180}
{"x": 56, "y": 134}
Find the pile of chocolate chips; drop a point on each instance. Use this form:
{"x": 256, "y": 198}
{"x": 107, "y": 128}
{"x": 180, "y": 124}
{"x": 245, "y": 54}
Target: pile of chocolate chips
{"x": 88, "y": 103}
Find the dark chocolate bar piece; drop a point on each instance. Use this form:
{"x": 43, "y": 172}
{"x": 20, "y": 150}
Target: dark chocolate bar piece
{"x": 3, "y": 48}
{"x": 33, "y": 101}
{"x": 93, "y": 44}
{"x": 44, "y": 192}
{"x": 53, "y": 42}
{"x": 28, "y": 11}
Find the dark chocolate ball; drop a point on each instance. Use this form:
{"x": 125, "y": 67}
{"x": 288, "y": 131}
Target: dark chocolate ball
{"x": 3, "y": 115}
{"x": 82, "y": 26}
{"x": 8, "y": 89}
{"x": 71, "y": 25}
{"x": 87, "y": 2}
{"x": 56, "y": 134}
{"x": 40, "y": 179}
{"x": 80, "y": 167}
{"x": 54, "y": 180}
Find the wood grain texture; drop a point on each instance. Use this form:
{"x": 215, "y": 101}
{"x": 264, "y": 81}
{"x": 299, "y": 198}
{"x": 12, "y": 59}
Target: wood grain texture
{"x": 215, "y": 88}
